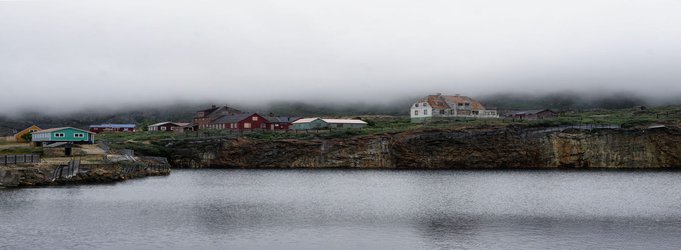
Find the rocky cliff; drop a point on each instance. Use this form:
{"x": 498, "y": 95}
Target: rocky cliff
{"x": 506, "y": 147}
{"x": 27, "y": 175}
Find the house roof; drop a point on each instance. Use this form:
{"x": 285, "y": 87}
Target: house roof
{"x": 27, "y": 129}
{"x": 306, "y": 120}
{"x": 345, "y": 121}
{"x": 62, "y": 128}
{"x": 164, "y": 123}
{"x": 451, "y": 101}
{"x": 216, "y": 112}
{"x": 233, "y": 118}
{"x": 210, "y": 110}
{"x": 113, "y": 126}
{"x": 454, "y": 100}
{"x": 531, "y": 112}
{"x": 281, "y": 119}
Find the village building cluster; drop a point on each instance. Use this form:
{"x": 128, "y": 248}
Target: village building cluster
{"x": 431, "y": 107}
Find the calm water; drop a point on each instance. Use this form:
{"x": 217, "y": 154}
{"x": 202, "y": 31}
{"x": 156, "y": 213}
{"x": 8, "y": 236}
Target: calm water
{"x": 345, "y": 209}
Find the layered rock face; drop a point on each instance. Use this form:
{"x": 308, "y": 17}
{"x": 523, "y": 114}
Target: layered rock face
{"x": 44, "y": 174}
{"x": 445, "y": 149}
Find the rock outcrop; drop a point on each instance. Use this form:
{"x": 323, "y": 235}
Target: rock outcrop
{"x": 28, "y": 175}
{"x": 506, "y": 147}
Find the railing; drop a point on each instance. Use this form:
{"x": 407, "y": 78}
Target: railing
{"x": 68, "y": 171}
{"x": 19, "y": 159}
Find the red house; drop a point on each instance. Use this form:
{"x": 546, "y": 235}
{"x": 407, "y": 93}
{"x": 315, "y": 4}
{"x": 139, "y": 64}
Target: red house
{"x": 112, "y": 128}
{"x": 246, "y": 121}
{"x": 280, "y": 122}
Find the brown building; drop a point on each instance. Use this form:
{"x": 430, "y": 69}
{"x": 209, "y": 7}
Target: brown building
{"x": 205, "y": 118}
{"x": 168, "y": 126}
{"x": 247, "y": 121}
{"x": 535, "y": 114}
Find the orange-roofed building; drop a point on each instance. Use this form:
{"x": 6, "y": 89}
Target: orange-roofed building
{"x": 21, "y": 136}
{"x": 449, "y": 106}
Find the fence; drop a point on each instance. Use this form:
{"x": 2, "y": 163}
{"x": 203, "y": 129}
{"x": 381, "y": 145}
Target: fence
{"x": 68, "y": 171}
{"x": 19, "y": 159}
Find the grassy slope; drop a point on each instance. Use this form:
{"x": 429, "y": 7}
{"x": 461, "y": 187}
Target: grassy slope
{"x": 155, "y": 143}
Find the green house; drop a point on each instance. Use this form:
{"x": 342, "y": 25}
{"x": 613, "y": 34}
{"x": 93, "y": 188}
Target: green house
{"x": 65, "y": 134}
{"x": 309, "y": 124}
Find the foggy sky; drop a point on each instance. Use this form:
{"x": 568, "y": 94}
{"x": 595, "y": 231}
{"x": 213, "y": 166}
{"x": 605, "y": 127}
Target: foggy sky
{"x": 110, "y": 53}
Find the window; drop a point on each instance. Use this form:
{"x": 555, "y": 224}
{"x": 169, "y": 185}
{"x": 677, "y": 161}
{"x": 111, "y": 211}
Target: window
{"x": 247, "y": 125}
{"x": 416, "y": 105}
{"x": 255, "y": 118}
{"x": 163, "y": 128}
{"x": 460, "y": 104}
{"x": 416, "y": 112}
{"x": 79, "y": 135}
{"x": 468, "y": 104}
{"x": 425, "y": 104}
{"x": 59, "y": 135}
{"x": 442, "y": 111}
{"x": 425, "y": 112}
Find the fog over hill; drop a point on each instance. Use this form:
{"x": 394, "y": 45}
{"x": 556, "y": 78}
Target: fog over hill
{"x": 60, "y": 57}
{"x": 184, "y": 112}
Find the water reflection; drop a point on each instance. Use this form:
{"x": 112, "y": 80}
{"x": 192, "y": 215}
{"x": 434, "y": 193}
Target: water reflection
{"x": 304, "y": 209}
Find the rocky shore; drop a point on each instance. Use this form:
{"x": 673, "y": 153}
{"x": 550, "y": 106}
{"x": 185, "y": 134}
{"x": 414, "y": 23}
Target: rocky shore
{"x": 42, "y": 174}
{"x": 479, "y": 148}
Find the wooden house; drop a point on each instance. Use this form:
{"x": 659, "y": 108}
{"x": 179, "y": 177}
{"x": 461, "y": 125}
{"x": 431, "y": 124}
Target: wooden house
{"x": 206, "y": 118}
{"x": 112, "y": 128}
{"x": 168, "y": 127}
{"x": 23, "y": 136}
{"x": 65, "y": 134}
{"x": 245, "y": 121}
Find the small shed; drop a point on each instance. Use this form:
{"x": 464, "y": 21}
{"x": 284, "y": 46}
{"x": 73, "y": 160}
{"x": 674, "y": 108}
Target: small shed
{"x": 309, "y": 123}
{"x": 535, "y": 114}
{"x": 64, "y": 134}
{"x": 345, "y": 123}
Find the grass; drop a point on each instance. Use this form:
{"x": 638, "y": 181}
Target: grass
{"x": 153, "y": 142}
{"x": 21, "y": 150}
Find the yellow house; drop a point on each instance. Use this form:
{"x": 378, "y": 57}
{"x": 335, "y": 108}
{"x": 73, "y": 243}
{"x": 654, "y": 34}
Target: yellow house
{"x": 31, "y": 129}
